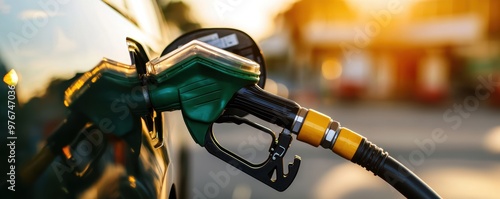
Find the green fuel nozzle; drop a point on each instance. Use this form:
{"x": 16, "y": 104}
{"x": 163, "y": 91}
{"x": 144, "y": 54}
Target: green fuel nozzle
{"x": 198, "y": 79}
{"x": 203, "y": 82}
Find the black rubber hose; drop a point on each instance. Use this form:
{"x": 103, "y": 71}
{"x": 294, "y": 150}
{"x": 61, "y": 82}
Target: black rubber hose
{"x": 376, "y": 160}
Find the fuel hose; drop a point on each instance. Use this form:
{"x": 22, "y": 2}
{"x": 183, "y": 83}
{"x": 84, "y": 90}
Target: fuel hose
{"x": 317, "y": 129}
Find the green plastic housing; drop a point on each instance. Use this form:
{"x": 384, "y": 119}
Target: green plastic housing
{"x": 111, "y": 96}
{"x": 198, "y": 79}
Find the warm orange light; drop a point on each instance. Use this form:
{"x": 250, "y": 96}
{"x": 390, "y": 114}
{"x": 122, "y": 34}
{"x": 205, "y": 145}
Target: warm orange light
{"x": 11, "y": 78}
{"x": 367, "y": 6}
{"x": 331, "y": 69}
{"x": 253, "y": 17}
{"x": 492, "y": 140}
{"x": 67, "y": 152}
{"x": 131, "y": 179}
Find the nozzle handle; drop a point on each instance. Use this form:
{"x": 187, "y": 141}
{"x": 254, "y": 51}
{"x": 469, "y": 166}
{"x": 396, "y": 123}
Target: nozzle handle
{"x": 266, "y": 106}
{"x": 264, "y": 171}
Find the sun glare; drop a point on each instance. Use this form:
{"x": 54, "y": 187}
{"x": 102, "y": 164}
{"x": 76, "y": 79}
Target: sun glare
{"x": 367, "y": 6}
{"x": 253, "y": 17}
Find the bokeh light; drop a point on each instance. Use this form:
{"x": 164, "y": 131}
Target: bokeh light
{"x": 331, "y": 69}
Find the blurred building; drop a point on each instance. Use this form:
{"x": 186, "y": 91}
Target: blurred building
{"x": 429, "y": 50}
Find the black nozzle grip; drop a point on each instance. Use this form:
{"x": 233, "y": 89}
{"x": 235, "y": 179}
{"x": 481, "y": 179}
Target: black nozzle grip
{"x": 266, "y": 106}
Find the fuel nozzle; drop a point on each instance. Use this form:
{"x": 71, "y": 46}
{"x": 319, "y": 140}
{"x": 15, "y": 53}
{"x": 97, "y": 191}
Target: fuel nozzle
{"x": 198, "y": 79}
{"x": 317, "y": 129}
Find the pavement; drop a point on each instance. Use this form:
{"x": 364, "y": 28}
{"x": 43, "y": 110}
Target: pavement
{"x": 455, "y": 151}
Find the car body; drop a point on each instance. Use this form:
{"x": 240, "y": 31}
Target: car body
{"x": 47, "y": 42}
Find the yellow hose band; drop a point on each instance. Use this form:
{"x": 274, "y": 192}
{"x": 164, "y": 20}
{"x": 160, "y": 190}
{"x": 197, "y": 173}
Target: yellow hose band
{"x": 347, "y": 143}
{"x": 314, "y": 128}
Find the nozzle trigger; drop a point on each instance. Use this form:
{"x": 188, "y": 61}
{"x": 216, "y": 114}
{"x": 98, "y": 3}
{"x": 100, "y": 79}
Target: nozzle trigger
{"x": 265, "y": 170}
